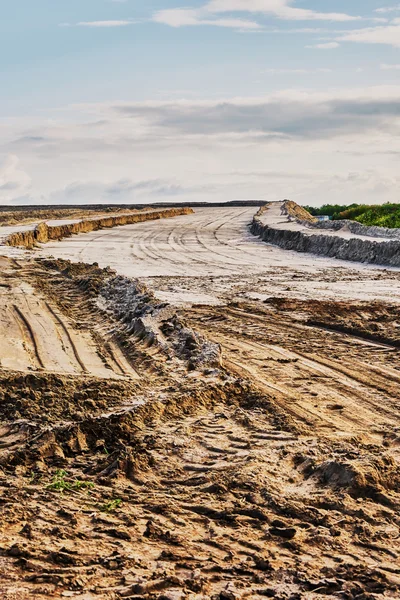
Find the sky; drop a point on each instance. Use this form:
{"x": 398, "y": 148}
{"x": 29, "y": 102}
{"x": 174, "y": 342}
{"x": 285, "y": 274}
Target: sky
{"x": 126, "y": 101}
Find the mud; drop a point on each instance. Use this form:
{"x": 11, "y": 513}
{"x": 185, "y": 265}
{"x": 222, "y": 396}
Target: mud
{"x": 244, "y": 449}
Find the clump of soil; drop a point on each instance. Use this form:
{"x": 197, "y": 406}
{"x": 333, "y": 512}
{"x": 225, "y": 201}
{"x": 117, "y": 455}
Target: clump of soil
{"x": 365, "y": 477}
{"x": 157, "y": 323}
{"x": 48, "y": 397}
{"x": 43, "y": 232}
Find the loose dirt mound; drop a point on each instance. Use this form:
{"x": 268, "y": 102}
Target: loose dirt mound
{"x": 156, "y": 323}
{"x": 369, "y": 477}
{"x": 12, "y": 217}
{"x": 297, "y": 212}
{"x": 51, "y": 397}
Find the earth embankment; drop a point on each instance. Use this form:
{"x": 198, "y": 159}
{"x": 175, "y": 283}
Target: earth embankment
{"x": 279, "y": 225}
{"x": 43, "y": 232}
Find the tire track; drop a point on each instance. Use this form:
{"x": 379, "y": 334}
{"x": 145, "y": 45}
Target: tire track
{"x": 65, "y": 330}
{"x": 111, "y": 352}
{"x": 366, "y": 401}
{"x": 26, "y": 326}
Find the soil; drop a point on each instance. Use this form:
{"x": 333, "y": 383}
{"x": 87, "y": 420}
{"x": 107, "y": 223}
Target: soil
{"x": 242, "y": 448}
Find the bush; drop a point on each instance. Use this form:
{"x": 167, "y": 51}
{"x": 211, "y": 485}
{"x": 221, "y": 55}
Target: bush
{"x": 385, "y": 215}
{"x": 382, "y": 215}
{"x": 332, "y": 210}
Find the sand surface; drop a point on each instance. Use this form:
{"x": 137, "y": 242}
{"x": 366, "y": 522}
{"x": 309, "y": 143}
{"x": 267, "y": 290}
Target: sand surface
{"x": 211, "y": 256}
{"x": 35, "y": 336}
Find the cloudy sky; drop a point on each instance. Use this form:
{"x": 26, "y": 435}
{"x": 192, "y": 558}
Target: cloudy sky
{"x": 130, "y": 101}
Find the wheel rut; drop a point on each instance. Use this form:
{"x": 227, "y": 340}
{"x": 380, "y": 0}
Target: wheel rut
{"x": 28, "y": 334}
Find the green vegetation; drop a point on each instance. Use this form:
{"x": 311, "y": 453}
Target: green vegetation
{"x": 111, "y": 506}
{"x": 387, "y": 215}
{"x": 60, "y": 483}
{"x": 332, "y": 210}
{"x": 382, "y": 215}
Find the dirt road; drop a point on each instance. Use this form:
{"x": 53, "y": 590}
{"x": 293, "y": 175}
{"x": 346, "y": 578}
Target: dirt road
{"x": 243, "y": 444}
{"x": 211, "y": 256}
{"x": 35, "y": 336}
{"x": 339, "y": 385}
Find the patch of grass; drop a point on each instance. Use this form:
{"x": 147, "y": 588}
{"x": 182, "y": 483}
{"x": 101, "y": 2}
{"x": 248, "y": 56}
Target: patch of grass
{"x": 386, "y": 215}
{"x": 61, "y": 483}
{"x": 111, "y": 506}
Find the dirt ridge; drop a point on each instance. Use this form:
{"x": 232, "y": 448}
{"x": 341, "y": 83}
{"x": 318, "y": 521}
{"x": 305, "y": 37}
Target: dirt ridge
{"x": 358, "y": 228}
{"x": 353, "y": 249}
{"x": 44, "y": 233}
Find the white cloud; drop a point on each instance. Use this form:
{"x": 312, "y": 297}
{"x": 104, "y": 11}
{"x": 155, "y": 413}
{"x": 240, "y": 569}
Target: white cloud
{"x": 181, "y": 17}
{"x": 104, "y": 23}
{"x": 209, "y": 13}
{"x": 188, "y": 150}
{"x": 325, "y": 46}
{"x": 284, "y": 115}
{"x": 389, "y": 35}
{"x": 386, "y": 67}
{"x": 13, "y": 180}
{"x": 388, "y": 9}
{"x": 278, "y": 8}
{"x": 120, "y": 191}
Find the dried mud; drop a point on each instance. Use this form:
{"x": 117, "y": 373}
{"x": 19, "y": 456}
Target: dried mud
{"x": 247, "y": 449}
{"x": 272, "y": 471}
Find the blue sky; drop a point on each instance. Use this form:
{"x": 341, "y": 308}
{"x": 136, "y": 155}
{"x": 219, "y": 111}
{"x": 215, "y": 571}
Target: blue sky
{"x": 124, "y": 101}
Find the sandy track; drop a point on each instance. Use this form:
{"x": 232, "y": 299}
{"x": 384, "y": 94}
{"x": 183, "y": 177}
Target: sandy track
{"x": 211, "y": 256}
{"x": 215, "y": 242}
{"x": 36, "y": 336}
{"x": 337, "y": 385}
{"x": 275, "y": 474}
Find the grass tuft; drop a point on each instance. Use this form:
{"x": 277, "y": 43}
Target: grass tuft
{"x": 60, "y": 483}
